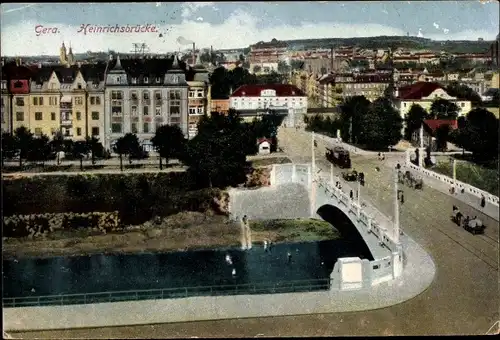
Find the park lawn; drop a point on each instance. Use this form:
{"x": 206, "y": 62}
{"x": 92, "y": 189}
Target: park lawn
{"x": 180, "y": 232}
{"x": 473, "y": 174}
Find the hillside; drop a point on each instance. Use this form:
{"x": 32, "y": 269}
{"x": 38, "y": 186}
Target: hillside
{"x": 394, "y": 42}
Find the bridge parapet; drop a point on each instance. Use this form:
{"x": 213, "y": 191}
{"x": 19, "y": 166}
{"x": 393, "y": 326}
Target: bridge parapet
{"x": 457, "y": 184}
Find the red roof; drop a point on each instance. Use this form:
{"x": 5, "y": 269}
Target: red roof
{"x": 282, "y": 90}
{"x": 418, "y": 90}
{"x": 433, "y": 124}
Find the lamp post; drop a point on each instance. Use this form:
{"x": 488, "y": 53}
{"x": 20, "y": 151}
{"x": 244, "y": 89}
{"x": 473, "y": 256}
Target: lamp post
{"x": 396, "y": 208}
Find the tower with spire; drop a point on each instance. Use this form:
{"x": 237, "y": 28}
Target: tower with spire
{"x": 63, "y": 58}
{"x": 176, "y": 75}
{"x": 70, "y": 57}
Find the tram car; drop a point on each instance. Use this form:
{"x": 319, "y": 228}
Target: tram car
{"x": 339, "y": 156}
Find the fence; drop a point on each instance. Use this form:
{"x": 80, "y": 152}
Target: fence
{"x": 170, "y": 293}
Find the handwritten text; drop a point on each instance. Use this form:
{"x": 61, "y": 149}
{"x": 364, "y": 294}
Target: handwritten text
{"x": 88, "y": 28}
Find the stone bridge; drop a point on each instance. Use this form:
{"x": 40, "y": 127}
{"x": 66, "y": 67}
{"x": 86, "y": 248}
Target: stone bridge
{"x": 296, "y": 193}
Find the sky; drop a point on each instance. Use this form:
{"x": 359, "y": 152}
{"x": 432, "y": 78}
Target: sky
{"x": 234, "y": 24}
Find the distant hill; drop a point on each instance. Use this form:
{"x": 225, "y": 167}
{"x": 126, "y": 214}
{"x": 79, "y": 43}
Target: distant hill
{"x": 462, "y": 46}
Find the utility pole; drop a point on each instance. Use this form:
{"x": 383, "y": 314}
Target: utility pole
{"x": 396, "y": 208}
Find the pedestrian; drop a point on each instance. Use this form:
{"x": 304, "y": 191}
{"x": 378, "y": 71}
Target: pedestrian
{"x": 351, "y": 194}
{"x": 289, "y": 257}
{"x": 379, "y": 156}
{"x": 383, "y": 157}
{"x": 398, "y": 166}
{"x": 402, "y": 198}
{"x": 483, "y": 201}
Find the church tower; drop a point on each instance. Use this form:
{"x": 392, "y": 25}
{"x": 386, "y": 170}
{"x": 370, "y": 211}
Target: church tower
{"x": 71, "y": 57}
{"x": 63, "y": 58}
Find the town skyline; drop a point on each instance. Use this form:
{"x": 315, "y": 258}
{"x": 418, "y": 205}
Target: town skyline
{"x": 234, "y": 25}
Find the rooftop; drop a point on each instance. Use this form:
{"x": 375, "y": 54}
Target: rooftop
{"x": 418, "y": 90}
{"x": 282, "y": 90}
{"x": 434, "y": 124}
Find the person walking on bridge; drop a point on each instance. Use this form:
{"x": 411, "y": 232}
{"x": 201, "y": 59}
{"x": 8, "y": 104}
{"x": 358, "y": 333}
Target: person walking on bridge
{"x": 483, "y": 201}
{"x": 351, "y": 194}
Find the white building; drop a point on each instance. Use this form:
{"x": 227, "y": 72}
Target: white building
{"x": 254, "y": 100}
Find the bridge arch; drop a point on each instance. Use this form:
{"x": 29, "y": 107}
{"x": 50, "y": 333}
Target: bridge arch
{"x": 340, "y": 221}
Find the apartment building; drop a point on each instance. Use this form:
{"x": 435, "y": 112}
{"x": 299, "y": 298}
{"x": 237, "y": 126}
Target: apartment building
{"x": 141, "y": 95}
{"x": 94, "y": 114}
{"x": 19, "y": 89}
{"x": 198, "y": 99}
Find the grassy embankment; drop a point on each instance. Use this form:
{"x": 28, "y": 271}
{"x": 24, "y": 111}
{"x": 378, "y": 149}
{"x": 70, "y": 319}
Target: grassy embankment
{"x": 473, "y": 174}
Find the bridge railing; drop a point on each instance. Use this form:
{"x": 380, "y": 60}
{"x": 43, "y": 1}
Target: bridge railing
{"x": 170, "y": 293}
{"x": 457, "y": 184}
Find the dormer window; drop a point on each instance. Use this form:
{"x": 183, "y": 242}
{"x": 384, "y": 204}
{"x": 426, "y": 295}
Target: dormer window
{"x": 38, "y": 86}
{"x": 79, "y": 86}
{"x": 118, "y": 79}
{"x": 96, "y": 85}
{"x": 146, "y": 80}
{"x": 158, "y": 80}
{"x": 134, "y": 80}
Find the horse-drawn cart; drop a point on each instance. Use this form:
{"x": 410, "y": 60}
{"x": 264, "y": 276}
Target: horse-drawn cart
{"x": 408, "y": 179}
{"x": 350, "y": 176}
{"x": 472, "y": 225}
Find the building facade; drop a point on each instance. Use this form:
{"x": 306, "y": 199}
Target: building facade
{"x": 141, "y": 95}
{"x": 198, "y": 99}
{"x": 255, "y": 100}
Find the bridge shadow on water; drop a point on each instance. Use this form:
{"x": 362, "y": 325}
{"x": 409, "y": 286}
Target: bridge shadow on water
{"x": 340, "y": 221}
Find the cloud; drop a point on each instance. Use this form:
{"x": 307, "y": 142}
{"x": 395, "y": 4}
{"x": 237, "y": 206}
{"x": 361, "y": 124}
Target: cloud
{"x": 17, "y": 9}
{"x": 436, "y": 25}
{"x": 189, "y": 8}
{"x": 238, "y": 30}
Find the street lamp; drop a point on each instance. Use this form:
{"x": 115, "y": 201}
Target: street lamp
{"x": 396, "y": 208}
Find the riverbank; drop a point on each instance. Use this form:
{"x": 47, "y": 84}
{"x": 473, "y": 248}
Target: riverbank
{"x": 180, "y": 232}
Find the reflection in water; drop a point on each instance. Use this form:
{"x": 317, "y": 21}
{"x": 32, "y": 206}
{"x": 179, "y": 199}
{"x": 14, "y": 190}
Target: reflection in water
{"x": 100, "y": 273}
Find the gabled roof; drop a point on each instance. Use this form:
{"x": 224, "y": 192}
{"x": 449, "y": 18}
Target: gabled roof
{"x": 433, "y": 124}
{"x": 282, "y": 90}
{"x": 418, "y": 90}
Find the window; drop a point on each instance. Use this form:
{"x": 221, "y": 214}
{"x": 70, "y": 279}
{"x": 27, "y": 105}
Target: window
{"x": 52, "y": 100}
{"x": 134, "y": 109}
{"x": 158, "y": 80}
{"x": 116, "y": 127}
{"x": 191, "y": 94}
{"x": 38, "y": 116}
{"x": 35, "y": 101}
{"x": 78, "y": 115}
{"x": 146, "y": 128}
{"x": 192, "y": 110}
{"x": 145, "y": 110}
{"x": 157, "y": 95}
{"x": 95, "y": 100}
{"x": 462, "y": 104}
{"x": 146, "y": 80}
{"x": 134, "y": 80}
{"x": 200, "y": 94}
{"x": 78, "y": 131}
{"x": 95, "y": 115}
{"x": 79, "y": 86}
{"x": 20, "y": 116}
{"x": 175, "y": 103}
{"x": 145, "y": 95}
{"x": 78, "y": 101}
{"x": 117, "y": 95}
{"x": 158, "y": 111}
{"x": 118, "y": 80}
{"x": 19, "y": 101}
{"x": 52, "y": 116}
{"x": 133, "y": 95}
{"x": 134, "y": 128}
{"x": 38, "y": 131}
{"x": 95, "y": 131}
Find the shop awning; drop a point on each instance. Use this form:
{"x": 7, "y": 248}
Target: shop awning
{"x": 66, "y": 99}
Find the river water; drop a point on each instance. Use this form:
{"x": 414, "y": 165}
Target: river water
{"x": 120, "y": 272}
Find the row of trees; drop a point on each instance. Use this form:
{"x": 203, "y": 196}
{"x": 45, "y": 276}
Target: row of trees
{"x": 215, "y": 157}
{"x": 374, "y": 126}
{"x": 223, "y": 81}
{"x": 25, "y": 145}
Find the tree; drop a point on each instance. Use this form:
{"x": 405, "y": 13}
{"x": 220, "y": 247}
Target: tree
{"x": 480, "y": 134}
{"x": 381, "y": 127}
{"x": 169, "y": 142}
{"x": 127, "y": 145}
{"x": 352, "y": 110}
{"x": 80, "y": 149}
{"x": 443, "y": 109}
{"x": 24, "y": 141}
{"x": 8, "y": 146}
{"x": 414, "y": 119}
{"x": 461, "y": 91}
{"x": 96, "y": 149}
{"x": 40, "y": 149}
{"x": 283, "y": 67}
{"x": 57, "y": 145}
{"x": 257, "y": 69}
{"x": 215, "y": 156}
{"x": 220, "y": 86}
{"x": 442, "y": 136}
